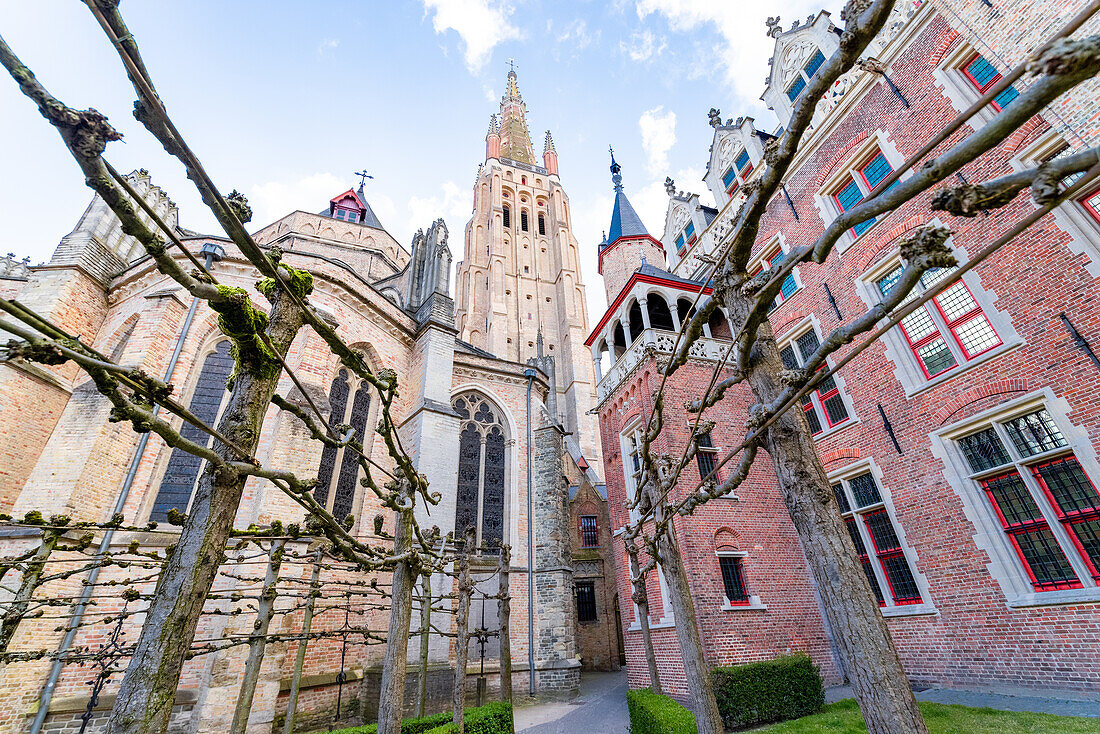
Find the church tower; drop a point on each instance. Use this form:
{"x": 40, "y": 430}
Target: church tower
{"x": 520, "y": 273}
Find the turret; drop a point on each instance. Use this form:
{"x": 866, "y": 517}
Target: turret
{"x": 628, "y": 245}
{"x": 492, "y": 139}
{"x": 550, "y": 156}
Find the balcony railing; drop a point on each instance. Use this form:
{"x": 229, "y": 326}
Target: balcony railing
{"x": 654, "y": 341}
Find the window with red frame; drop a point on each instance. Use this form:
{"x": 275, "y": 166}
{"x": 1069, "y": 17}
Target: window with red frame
{"x": 736, "y": 174}
{"x": 733, "y": 580}
{"x": 870, "y": 526}
{"x": 1047, "y": 506}
{"x": 858, "y": 183}
{"x": 789, "y": 286}
{"x": 824, "y": 407}
{"x": 983, "y": 76}
{"x": 687, "y": 237}
{"x": 590, "y": 531}
{"x": 347, "y": 215}
{"x": 1089, "y": 201}
{"x": 953, "y": 331}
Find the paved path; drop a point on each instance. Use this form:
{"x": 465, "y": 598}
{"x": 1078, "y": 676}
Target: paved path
{"x": 600, "y": 708}
{"x": 1069, "y": 706}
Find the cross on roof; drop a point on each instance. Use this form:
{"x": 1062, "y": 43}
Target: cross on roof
{"x": 363, "y": 176}
{"x": 511, "y": 64}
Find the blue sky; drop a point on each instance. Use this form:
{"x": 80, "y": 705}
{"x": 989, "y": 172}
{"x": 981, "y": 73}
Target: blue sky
{"x": 285, "y": 100}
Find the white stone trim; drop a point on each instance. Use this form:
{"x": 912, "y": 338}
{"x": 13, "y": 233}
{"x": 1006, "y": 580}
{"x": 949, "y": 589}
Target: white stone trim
{"x": 959, "y": 91}
{"x": 812, "y": 323}
{"x": 754, "y": 599}
{"x": 1004, "y": 565}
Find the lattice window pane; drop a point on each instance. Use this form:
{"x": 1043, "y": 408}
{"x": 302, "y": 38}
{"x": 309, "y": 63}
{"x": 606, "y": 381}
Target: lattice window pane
{"x": 1087, "y": 533}
{"x": 983, "y": 450}
{"x": 586, "y": 601}
{"x": 849, "y": 196}
{"x": 976, "y": 335}
{"x": 733, "y": 579}
{"x": 469, "y": 473}
{"x": 814, "y": 63}
{"x": 789, "y": 360}
{"x": 1045, "y": 559}
{"x": 729, "y": 178}
{"x": 841, "y": 497}
{"x": 956, "y": 301}
{"x": 936, "y": 357}
{"x": 1068, "y": 486}
{"x": 1034, "y": 433}
{"x": 835, "y": 409}
{"x": 742, "y": 160}
{"x": 1012, "y": 497}
{"x": 590, "y": 531}
{"x": 807, "y": 344}
{"x": 876, "y": 170}
{"x": 492, "y": 520}
{"x": 902, "y": 583}
{"x": 918, "y": 325}
{"x": 811, "y": 414}
{"x": 865, "y": 490}
{"x": 982, "y": 73}
{"x": 887, "y": 282}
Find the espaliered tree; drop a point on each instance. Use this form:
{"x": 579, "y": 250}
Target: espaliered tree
{"x": 879, "y": 681}
{"x": 260, "y": 337}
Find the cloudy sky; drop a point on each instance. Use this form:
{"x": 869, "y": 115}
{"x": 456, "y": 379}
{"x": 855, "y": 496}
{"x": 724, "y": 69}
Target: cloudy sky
{"x": 285, "y": 100}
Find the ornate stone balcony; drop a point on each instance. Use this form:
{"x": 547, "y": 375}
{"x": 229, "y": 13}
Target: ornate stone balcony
{"x": 654, "y": 342}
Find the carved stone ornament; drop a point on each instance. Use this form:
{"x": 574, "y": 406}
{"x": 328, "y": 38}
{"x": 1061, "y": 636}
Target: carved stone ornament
{"x": 794, "y": 60}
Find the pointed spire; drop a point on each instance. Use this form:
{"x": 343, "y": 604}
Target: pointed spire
{"x": 625, "y": 222}
{"x": 548, "y": 146}
{"x": 515, "y": 141}
{"x": 616, "y": 176}
{"x": 538, "y": 343}
{"x": 494, "y": 126}
{"x": 513, "y": 86}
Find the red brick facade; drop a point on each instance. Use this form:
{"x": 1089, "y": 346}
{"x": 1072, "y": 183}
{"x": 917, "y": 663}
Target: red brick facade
{"x": 979, "y": 621}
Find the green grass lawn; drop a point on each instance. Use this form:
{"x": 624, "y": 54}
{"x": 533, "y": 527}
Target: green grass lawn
{"x": 843, "y": 717}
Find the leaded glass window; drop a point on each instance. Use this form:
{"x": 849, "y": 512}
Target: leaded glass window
{"x": 182, "y": 473}
{"x": 482, "y": 471}
{"x": 338, "y": 472}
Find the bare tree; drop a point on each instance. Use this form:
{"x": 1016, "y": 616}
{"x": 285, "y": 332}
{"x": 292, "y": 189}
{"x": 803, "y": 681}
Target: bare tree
{"x": 864, "y": 641}
{"x": 260, "y": 338}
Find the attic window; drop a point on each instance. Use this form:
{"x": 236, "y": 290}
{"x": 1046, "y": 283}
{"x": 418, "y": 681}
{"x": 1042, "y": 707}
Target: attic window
{"x": 347, "y": 215}
{"x": 687, "y": 238}
{"x": 804, "y": 75}
{"x": 737, "y": 173}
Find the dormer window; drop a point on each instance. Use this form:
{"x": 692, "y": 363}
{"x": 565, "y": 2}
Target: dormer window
{"x": 804, "y": 75}
{"x": 346, "y": 215}
{"x": 687, "y": 237}
{"x": 737, "y": 173}
{"x": 860, "y": 182}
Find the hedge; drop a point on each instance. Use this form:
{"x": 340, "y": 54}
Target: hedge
{"x": 772, "y": 690}
{"x": 493, "y": 718}
{"x": 652, "y": 713}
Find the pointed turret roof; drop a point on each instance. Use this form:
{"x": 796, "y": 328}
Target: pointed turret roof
{"x": 625, "y": 222}
{"x": 548, "y": 146}
{"x": 515, "y": 141}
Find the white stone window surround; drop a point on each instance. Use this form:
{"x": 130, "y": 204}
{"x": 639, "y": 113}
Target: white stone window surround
{"x": 959, "y": 90}
{"x": 754, "y": 599}
{"x": 812, "y": 323}
{"x": 1071, "y": 216}
{"x": 909, "y": 374}
{"x": 1004, "y": 565}
{"x": 716, "y": 452}
{"x": 829, "y": 210}
{"x": 858, "y": 468}
{"x": 774, "y": 246}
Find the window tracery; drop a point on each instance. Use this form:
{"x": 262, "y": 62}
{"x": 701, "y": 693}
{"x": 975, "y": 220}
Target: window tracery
{"x": 338, "y": 471}
{"x": 481, "y": 470}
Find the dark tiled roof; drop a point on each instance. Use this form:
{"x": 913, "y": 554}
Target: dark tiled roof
{"x": 625, "y": 222}
{"x": 466, "y": 346}
{"x": 709, "y": 213}
{"x": 656, "y": 272}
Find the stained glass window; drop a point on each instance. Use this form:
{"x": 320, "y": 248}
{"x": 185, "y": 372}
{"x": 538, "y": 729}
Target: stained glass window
{"x": 338, "y": 471}
{"x": 182, "y": 472}
{"x": 482, "y": 471}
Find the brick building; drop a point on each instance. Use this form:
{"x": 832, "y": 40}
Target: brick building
{"x": 463, "y": 414}
{"x": 962, "y": 446}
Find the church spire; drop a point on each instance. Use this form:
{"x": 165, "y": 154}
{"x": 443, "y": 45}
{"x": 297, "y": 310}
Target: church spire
{"x": 515, "y": 142}
{"x": 550, "y": 156}
{"x": 625, "y": 222}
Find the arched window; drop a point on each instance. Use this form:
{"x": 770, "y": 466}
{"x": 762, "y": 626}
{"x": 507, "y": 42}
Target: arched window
{"x": 481, "y": 470}
{"x": 507, "y": 217}
{"x": 523, "y": 219}
{"x": 182, "y": 473}
{"x": 542, "y": 224}
{"x": 349, "y": 403}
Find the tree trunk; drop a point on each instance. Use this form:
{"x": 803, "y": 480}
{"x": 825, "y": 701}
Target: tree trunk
{"x": 696, "y": 670}
{"x": 425, "y": 631}
{"x": 265, "y": 610}
{"x": 504, "y": 615}
{"x": 878, "y": 678}
{"x": 300, "y": 660}
{"x": 392, "y": 696}
{"x": 148, "y": 690}
{"x": 641, "y": 598}
{"x": 462, "y": 633}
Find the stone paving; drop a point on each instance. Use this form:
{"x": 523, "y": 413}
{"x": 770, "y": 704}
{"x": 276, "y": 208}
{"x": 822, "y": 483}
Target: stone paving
{"x": 599, "y": 708}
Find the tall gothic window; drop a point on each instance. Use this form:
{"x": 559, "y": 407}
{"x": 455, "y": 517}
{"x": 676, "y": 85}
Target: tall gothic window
{"x": 182, "y": 473}
{"x": 338, "y": 474}
{"x": 481, "y": 471}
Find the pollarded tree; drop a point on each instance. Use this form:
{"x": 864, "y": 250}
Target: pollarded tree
{"x": 881, "y": 686}
{"x": 260, "y": 338}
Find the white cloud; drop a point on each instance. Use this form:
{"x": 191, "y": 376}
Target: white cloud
{"x": 743, "y": 57}
{"x": 276, "y": 199}
{"x": 643, "y": 46}
{"x": 453, "y": 203}
{"x": 481, "y": 24}
{"x": 658, "y": 129}
{"x": 577, "y": 35}
{"x": 327, "y": 44}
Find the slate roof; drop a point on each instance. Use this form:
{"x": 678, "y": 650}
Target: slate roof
{"x": 656, "y": 272}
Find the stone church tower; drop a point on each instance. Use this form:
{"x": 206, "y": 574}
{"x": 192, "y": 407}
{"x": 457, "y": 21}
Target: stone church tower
{"x": 520, "y": 273}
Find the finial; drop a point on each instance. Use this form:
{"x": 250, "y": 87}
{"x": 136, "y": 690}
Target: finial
{"x": 548, "y": 147}
{"x": 774, "y": 29}
{"x": 511, "y": 65}
{"x": 616, "y": 176}
{"x": 538, "y": 343}
{"x": 363, "y": 176}
{"x": 494, "y": 128}
{"x": 603, "y": 236}
{"x": 670, "y": 186}
{"x": 715, "y": 116}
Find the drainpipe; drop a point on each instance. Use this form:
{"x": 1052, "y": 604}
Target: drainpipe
{"x": 530, "y": 375}
{"x": 212, "y": 252}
